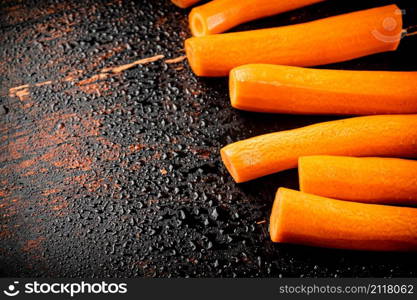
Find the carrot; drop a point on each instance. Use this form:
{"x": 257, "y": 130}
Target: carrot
{"x": 301, "y": 218}
{"x": 382, "y": 135}
{"x": 184, "y": 3}
{"x": 294, "y": 90}
{"x": 320, "y": 42}
{"x": 220, "y": 15}
{"x": 372, "y": 180}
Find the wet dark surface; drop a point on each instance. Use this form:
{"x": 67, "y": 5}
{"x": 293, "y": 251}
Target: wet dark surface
{"x": 118, "y": 175}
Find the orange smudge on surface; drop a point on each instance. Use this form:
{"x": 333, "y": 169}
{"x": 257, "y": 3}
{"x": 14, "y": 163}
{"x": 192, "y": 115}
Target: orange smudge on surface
{"x": 94, "y": 185}
{"x": 91, "y": 85}
{"x": 112, "y": 52}
{"x": 29, "y": 173}
{"x": 56, "y": 34}
{"x": 93, "y": 79}
{"x": 73, "y": 75}
{"x": 59, "y": 206}
{"x": 70, "y": 78}
{"x": 20, "y": 87}
{"x": 82, "y": 126}
{"x": 27, "y": 105}
{"x": 91, "y": 126}
{"x": 80, "y": 179}
{"x": 8, "y": 206}
{"x": 50, "y": 191}
{"x": 135, "y": 148}
{"x": 163, "y": 171}
{"x": 18, "y": 133}
{"x": 5, "y": 232}
{"x": 176, "y": 60}
{"x": 67, "y": 156}
{"x": 43, "y": 83}
{"x": 34, "y": 244}
{"x": 133, "y": 64}
{"x": 12, "y": 151}
{"x": 48, "y": 156}
{"x": 93, "y": 88}
{"x": 58, "y": 117}
{"x": 26, "y": 163}
{"x": 113, "y": 151}
{"x": 56, "y": 143}
{"x": 21, "y": 91}
{"x": 135, "y": 166}
{"x": 83, "y": 180}
{"x": 23, "y": 95}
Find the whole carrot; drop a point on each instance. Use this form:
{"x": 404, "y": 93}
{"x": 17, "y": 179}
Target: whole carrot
{"x": 382, "y": 135}
{"x": 294, "y": 90}
{"x": 372, "y": 180}
{"x": 184, "y": 3}
{"x": 220, "y": 15}
{"x": 320, "y": 42}
{"x": 301, "y": 218}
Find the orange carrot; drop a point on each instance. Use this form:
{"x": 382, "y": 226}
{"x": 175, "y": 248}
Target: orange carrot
{"x": 294, "y": 90}
{"x": 372, "y": 180}
{"x": 301, "y": 218}
{"x": 184, "y": 3}
{"x": 320, "y": 42}
{"x": 382, "y": 135}
{"x": 220, "y": 15}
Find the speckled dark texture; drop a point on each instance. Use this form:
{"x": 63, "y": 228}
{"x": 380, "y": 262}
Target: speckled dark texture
{"x": 121, "y": 177}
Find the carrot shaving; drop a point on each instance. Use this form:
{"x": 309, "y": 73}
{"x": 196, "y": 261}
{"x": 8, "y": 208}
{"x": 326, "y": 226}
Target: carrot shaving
{"x": 176, "y": 60}
{"x": 133, "y": 64}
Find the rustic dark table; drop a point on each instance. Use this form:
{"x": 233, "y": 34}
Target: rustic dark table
{"x": 117, "y": 174}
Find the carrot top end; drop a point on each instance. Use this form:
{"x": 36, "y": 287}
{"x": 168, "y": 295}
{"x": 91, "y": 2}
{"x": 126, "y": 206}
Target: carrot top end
{"x": 198, "y": 25}
{"x": 274, "y": 223}
{"x": 229, "y": 165}
{"x": 233, "y": 89}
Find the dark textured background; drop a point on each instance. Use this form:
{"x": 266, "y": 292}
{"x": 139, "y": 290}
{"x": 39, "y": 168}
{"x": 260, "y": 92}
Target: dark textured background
{"x": 119, "y": 175}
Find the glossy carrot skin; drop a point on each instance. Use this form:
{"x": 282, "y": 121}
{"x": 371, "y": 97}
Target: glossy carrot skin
{"x": 295, "y": 90}
{"x": 220, "y": 15}
{"x": 351, "y": 36}
{"x": 370, "y": 179}
{"x": 382, "y": 135}
{"x": 301, "y": 218}
{"x": 184, "y": 3}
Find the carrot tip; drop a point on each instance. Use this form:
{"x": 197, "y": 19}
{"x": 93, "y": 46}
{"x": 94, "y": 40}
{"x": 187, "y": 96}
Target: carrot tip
{"x": 229, "y": 165}
{"x": 233, "y": 89}
{"x": 274, "y": 228}
{"x": 180, "y": 4}
{"x": 192, "y": 59}
{"x": 198, "y": 25}
{"x": 301, "y": 184}
{"x": 184, "y": 3}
